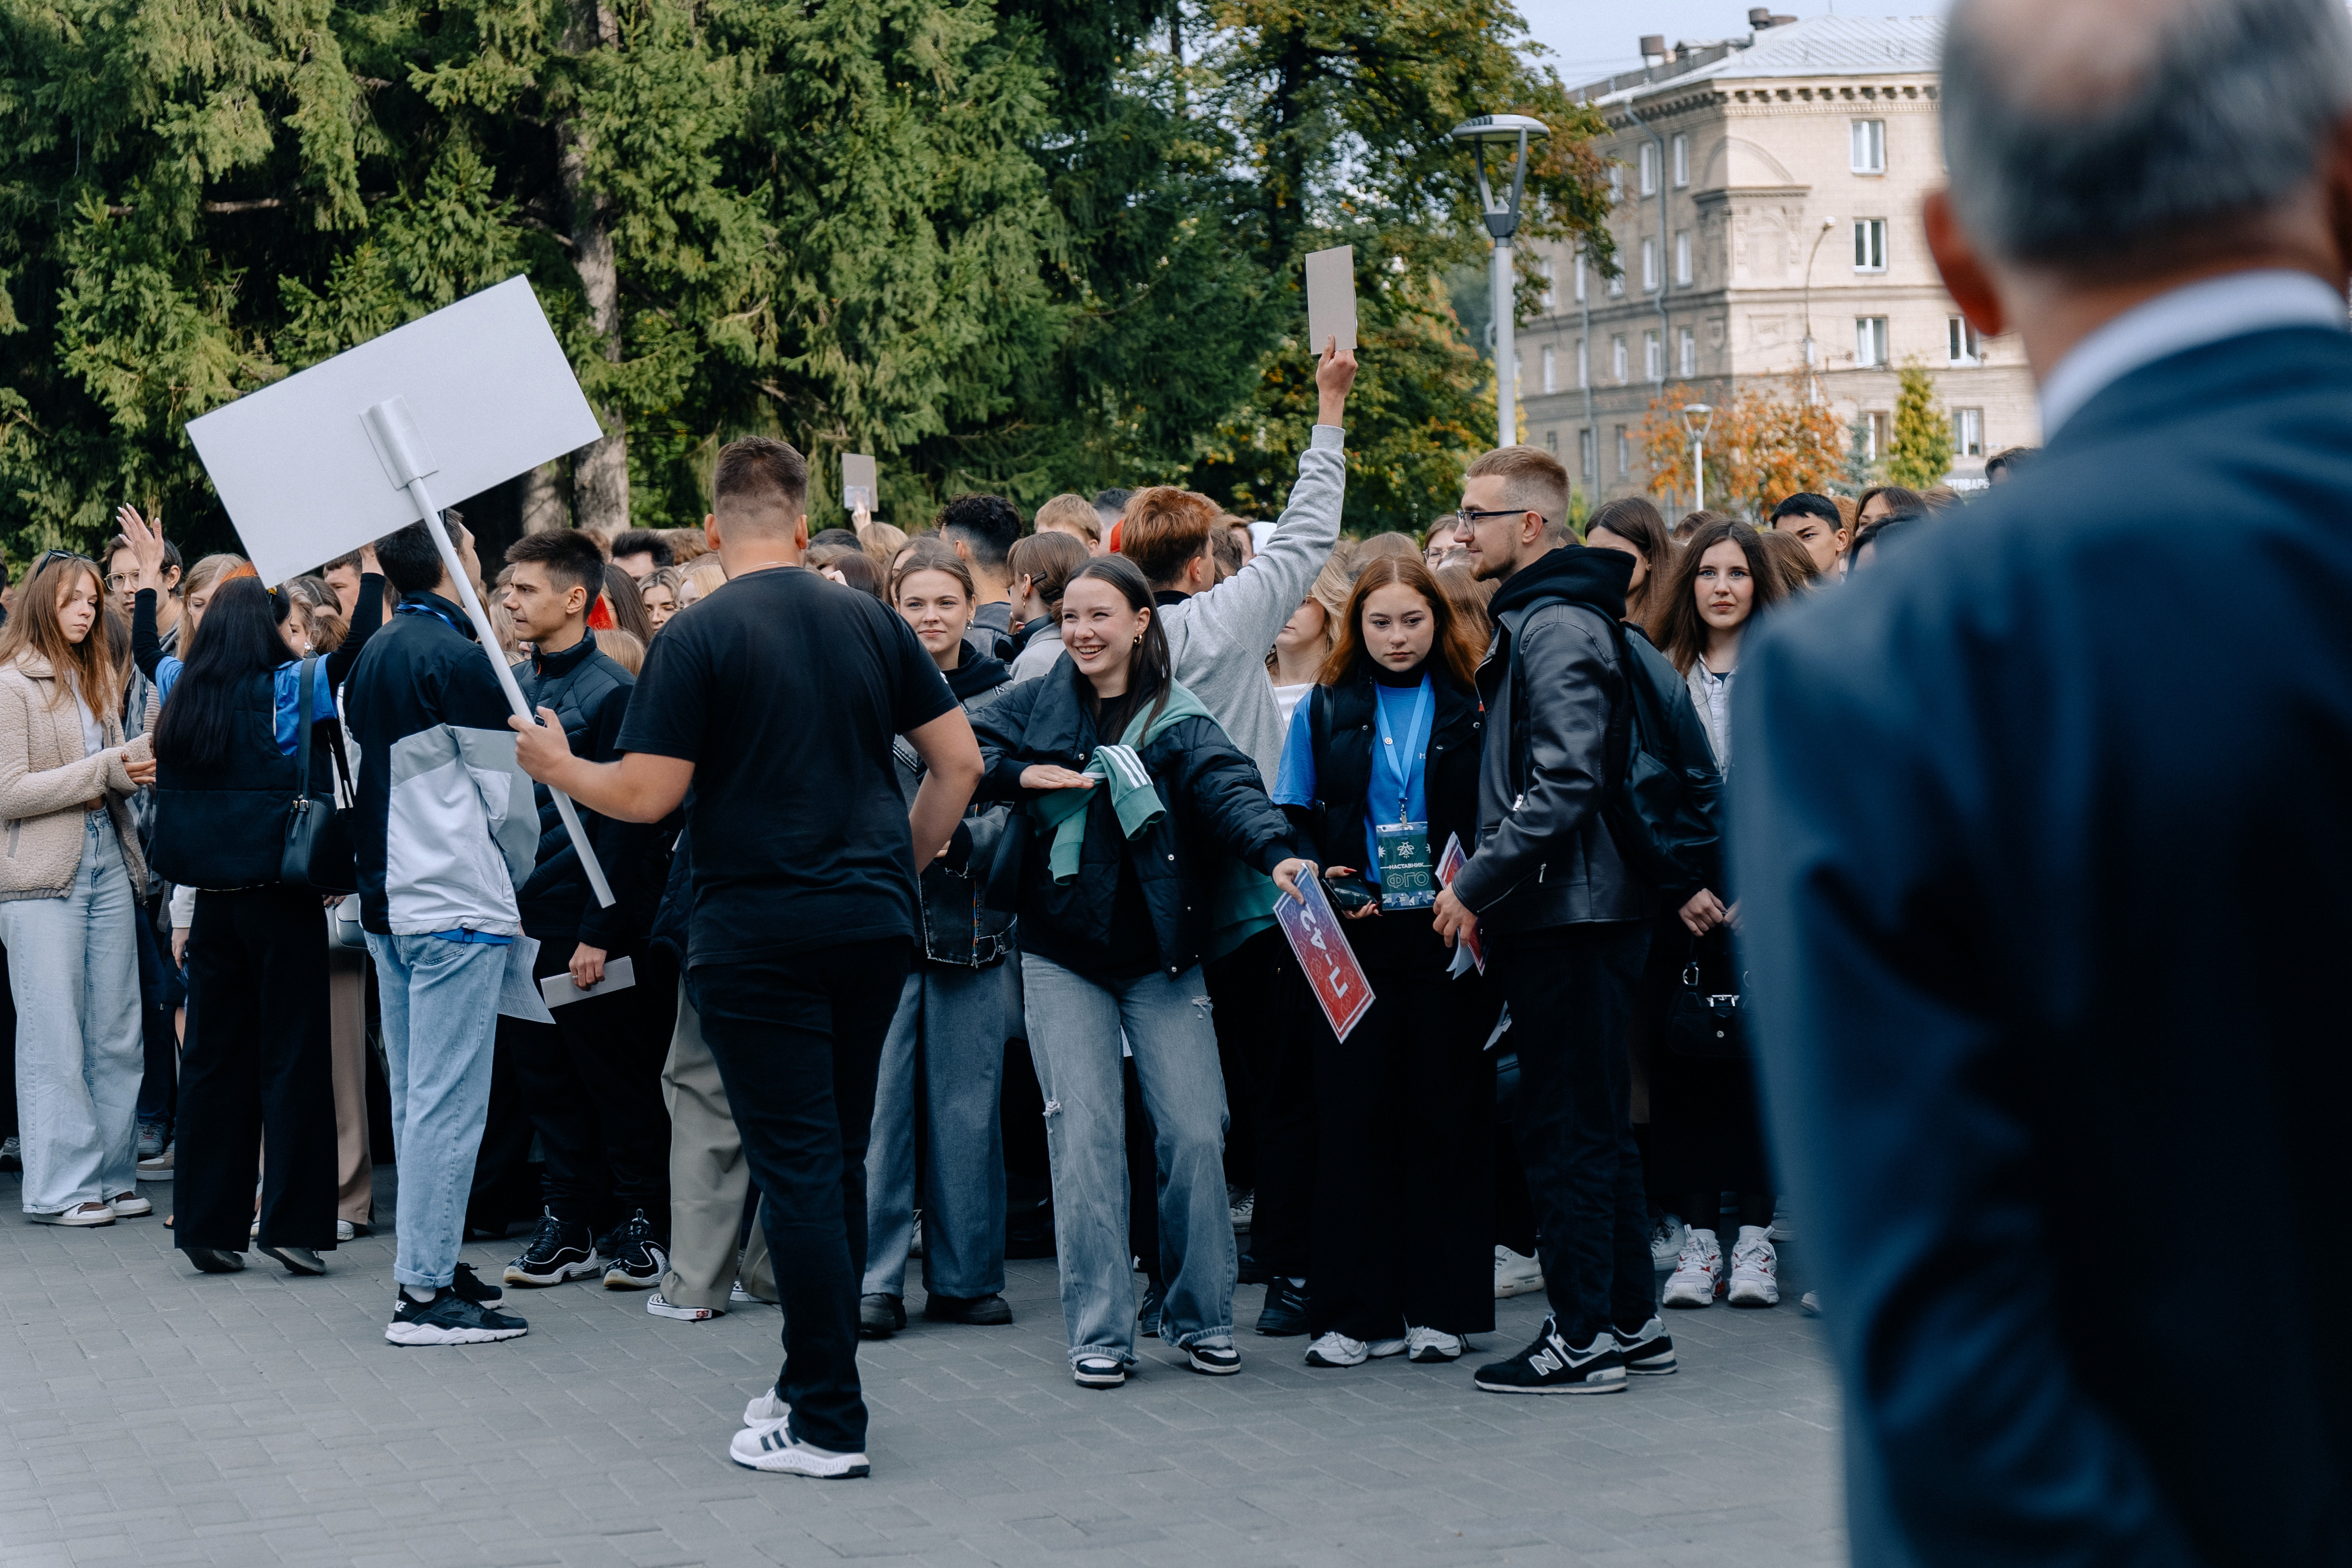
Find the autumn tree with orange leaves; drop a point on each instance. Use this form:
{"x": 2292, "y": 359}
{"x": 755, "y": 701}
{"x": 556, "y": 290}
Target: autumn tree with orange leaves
{"x": 1766, "y": 444}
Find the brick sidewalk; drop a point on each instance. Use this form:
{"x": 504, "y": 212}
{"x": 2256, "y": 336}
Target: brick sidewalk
{"x": 152, "y": 1415}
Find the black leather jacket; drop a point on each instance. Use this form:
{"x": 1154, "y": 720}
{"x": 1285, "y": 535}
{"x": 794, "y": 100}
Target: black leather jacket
{"x": 1557, "y": 730}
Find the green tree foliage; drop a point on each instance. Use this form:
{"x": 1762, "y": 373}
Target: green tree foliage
{"x": 1028, "y": 245}
{"x": 1919, "y": 452}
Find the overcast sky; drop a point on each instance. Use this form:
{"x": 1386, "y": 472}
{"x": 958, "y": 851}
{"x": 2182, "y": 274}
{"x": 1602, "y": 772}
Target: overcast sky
{"x": 1590, "y": 38}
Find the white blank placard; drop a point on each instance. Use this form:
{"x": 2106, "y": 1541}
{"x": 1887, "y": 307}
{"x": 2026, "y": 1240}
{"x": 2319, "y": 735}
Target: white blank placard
{"x": 490, "y": 389}
{"x": 1331, "y": 298}
{"x": 858, "y": 485}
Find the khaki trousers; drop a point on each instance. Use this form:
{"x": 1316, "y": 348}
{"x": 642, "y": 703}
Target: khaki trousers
{"x": 347, "y": 1015}
{"x": 709, "y": 1180}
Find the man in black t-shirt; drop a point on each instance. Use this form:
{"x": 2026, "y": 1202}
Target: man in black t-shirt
{"x": 774, "y": 699}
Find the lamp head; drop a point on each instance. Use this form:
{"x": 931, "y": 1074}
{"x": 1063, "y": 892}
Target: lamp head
{"x": 1502, "y": 131}
{"x": 1696, "y": 417}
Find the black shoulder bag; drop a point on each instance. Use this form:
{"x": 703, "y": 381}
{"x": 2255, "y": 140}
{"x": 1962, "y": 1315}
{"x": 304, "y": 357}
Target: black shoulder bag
{"x": 1702, "y": 1023}
{"x": 318, "y": 851}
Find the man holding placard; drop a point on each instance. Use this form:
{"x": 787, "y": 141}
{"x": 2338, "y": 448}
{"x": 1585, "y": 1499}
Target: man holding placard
{"x": 446, "y": 832}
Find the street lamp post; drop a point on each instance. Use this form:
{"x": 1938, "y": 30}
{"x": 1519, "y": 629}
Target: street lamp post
{"x": 1696, "y": 417}
{"x": 1812, "y": 377}
{"x": 1503, "y": 222}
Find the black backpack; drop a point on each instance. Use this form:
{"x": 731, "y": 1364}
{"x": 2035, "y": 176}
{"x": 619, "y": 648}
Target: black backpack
{"x": 1664, "y": 819}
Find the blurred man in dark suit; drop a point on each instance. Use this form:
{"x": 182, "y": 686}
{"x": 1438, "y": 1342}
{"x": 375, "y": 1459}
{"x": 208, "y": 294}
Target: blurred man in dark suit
{"x": 2043, "y": 833}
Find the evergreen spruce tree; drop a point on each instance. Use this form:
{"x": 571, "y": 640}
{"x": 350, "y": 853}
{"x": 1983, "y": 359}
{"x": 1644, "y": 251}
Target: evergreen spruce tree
{"x": 1920, "y": 453}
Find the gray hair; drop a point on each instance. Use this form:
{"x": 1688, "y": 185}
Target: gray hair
{"x": 2115, "y": 145}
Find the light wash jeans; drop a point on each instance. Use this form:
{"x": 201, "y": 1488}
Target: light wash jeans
{"x": 1074, "y": 1035}
{"x": 440, "y": 1002}
{"x": 73, "y": 966}
{"x": 945, "y": 1052}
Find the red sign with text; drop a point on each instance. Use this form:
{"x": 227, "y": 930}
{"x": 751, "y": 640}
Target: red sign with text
{"x": 1332, "y": 972}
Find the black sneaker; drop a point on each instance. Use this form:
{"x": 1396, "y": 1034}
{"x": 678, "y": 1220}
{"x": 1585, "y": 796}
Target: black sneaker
{"x": 637, "y": 1258}
{"x": 1551, "y": 1366}
{"x": 1217, "y": 1361}
{"x": 1147, "y": 1316}
{"x": 472, "y": 1287}
{"x": 1649, "y": 1350}
{"x": 449, "y": 1319}
{"x": 1253, "y": 1272}
{"x": 560, "y": 1249}
{"x": 979, "y": 1312}
{"x": 880, "y": 1315}
{"x": 1283, "y": 1316}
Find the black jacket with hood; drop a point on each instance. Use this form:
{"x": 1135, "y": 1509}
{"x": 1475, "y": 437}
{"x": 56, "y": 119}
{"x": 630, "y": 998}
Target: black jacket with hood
{"x": 1558, "y": 728}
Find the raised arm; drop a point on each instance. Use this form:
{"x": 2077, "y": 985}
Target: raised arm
{"x": 367, "y": 614}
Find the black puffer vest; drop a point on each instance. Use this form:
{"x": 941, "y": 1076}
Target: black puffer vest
{"x": 221, "y": 825}
{"x": 1340, "y": 726}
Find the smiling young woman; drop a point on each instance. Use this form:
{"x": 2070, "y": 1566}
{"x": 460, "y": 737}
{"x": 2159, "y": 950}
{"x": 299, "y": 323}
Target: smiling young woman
{"x": 1379, "y": 770}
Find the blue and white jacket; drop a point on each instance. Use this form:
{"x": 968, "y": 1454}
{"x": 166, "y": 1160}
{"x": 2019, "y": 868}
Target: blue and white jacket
{"x": 446, "y": 827}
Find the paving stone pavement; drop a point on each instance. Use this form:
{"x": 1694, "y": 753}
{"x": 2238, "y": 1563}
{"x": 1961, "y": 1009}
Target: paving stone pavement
{"x": 152, "y": 1415}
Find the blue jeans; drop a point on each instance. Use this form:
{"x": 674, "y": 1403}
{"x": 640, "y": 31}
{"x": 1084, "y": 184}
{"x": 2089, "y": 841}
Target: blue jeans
{"x": 440, "y": 1002}
{"x": 73, "y": 966}
{"x": 1074, "y": 1034}
{"x": 945, "y": 1053}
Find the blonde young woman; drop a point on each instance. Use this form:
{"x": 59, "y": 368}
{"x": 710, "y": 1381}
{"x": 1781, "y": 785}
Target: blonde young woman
{"x": 70, "y": 881}
{"x": 1295, "y": 661}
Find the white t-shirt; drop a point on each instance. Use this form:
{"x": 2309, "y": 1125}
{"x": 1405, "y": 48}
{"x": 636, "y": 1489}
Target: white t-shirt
{"x": 93, "y": 734}
{"x": 1285, "y": 697}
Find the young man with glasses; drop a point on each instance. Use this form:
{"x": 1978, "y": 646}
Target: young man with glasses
{"x": 1565, "y": 921}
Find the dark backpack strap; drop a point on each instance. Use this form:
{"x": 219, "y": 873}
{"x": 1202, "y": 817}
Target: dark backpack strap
{"x": 302, "y": 724}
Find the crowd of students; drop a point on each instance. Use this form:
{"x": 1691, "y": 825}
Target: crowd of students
{"x": 781, "y": 1063}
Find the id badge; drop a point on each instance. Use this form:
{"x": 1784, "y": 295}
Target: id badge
{"x": 1408, "y": 878}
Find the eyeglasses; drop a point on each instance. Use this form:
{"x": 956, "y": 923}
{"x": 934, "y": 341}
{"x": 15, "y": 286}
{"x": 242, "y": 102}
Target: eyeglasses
{"x": 118, "y": 581}
{"x": 48, "y": 555}
{"x": 1473, "y": 515}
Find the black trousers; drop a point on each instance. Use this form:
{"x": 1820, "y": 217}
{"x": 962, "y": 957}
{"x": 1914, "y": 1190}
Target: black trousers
{"x": 1278, "y": 1022}
{"x": 1706, "y": 1129}
{"x": 7, "y": 1052}
{"x": 257, "y": 1074}
{"x": 798, "y": 1041}
{"x": 1571, "y": 991}
{"x": 159, "y": 996}
{"x": 1403, "y": 1181}
{"x": 591, "y": 1082}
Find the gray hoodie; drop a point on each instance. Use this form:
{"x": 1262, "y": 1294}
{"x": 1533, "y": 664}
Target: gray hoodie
{"x": 1219, "y": 639}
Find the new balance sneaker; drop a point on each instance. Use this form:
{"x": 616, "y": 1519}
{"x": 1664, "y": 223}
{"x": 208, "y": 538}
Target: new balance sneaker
{"x": 1755, "y": 1270}
{"x": 636, "y": 1259}
{"x": 1096, "y": 1371}
{"x": 1335, "y": 1349}
{"x": 1553, "y": 1365}
{"x": 1431, "y": 1345}
{"x": 560, "y": 1249}
{"x": 449, "y": 1319}
{"x": 766, "y": 1406}
{"x": 1217, "y": 1361}
{"x": 1665, "y": 1241}
{"x": 1516, "y": 1274}
{"x": 1648, "y": 1351}
{"x": 152, "y": 1137}
{"x": 473, "y": 1287}
{"x": 880, "y": 1315}
{"x": 772, "y": 1446}
{"x": 1698, "y": 1271}
{"x": 661, "y": 1307}
{"x": 1283, "y": 1315}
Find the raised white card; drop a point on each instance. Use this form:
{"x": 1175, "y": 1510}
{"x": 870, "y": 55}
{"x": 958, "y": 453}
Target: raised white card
{"x": 1331, "y": 297}
{"x": 858, "y": 485}
{"x": 485, "y": 381}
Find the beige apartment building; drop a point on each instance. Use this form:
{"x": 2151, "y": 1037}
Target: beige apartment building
{"x": 1767, "y": 189}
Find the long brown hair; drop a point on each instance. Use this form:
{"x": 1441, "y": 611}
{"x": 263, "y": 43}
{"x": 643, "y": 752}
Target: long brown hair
{"x": 1640, "y": 525}
{"x": 1679, "y": 631}
{"x": 1451, "y": 647}
{"x": 87, "y": 668}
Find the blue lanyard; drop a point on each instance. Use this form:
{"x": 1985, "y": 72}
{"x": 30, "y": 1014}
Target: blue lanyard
{"x": 1393, "y": 751}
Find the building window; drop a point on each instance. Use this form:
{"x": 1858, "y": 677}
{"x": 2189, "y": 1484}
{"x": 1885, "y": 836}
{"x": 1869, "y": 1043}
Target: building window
{"x": 1683, "y": 257}
{"x": 1654, "y": 356}
{"x": 1585, "y": 452}
{"x": 1649, "y": 168}
{"x": 1968, "y": 432}
{"x": 1617, "y": 359}
{"x": 1870, "y": 245}
{"x": 1550, "y": 375}
{"x": 1616, "y": 184}
{"x": 1687, "y": 354}
{"x": 1681, "y": 162}
{"x": 1579, "y": 277}
{"x": 1583, "y": 364}
{"x": 1624, "y": 454}
{"x": 1960, "y": 340}
{"x": 1649, "y": 266}
{"x": 1617, "y": 284}
{"x": 1877, "y": 434}
{"x": 1551, "y": 442}
{"x": 1869, "y": 146}
{"x": 1870, "y": 340}
{"x": 1550, "y": 288}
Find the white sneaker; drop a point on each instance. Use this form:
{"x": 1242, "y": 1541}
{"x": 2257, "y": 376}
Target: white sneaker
{"x": 661, "y": 1308}
{"x": 1426, "y": 1346}
{"x": 1665, "y": 1241}
{"x": 1755, "y": 1270}
{"x": 768, "y": 1406}
{"x": 1242, "y": 1202}
{"x": 1698, "y": 1270}
{"x": 1335, "y": 1349}
{"x": 344, "y": 1230}
{"x": 1516, "y": 1274}
{"x": 130, "y": 1206}
{"x": 770, "y": 1446}
{"x": 1811, "y": 1303}
{"x": 1784, "y": 1219}
{"x": 81, "y": 1215}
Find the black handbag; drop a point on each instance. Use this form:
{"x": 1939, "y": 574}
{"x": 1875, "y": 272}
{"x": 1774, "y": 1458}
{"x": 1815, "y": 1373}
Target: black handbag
{"x": 1702, "y": 1023}
{"x": 318, "y": 852}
